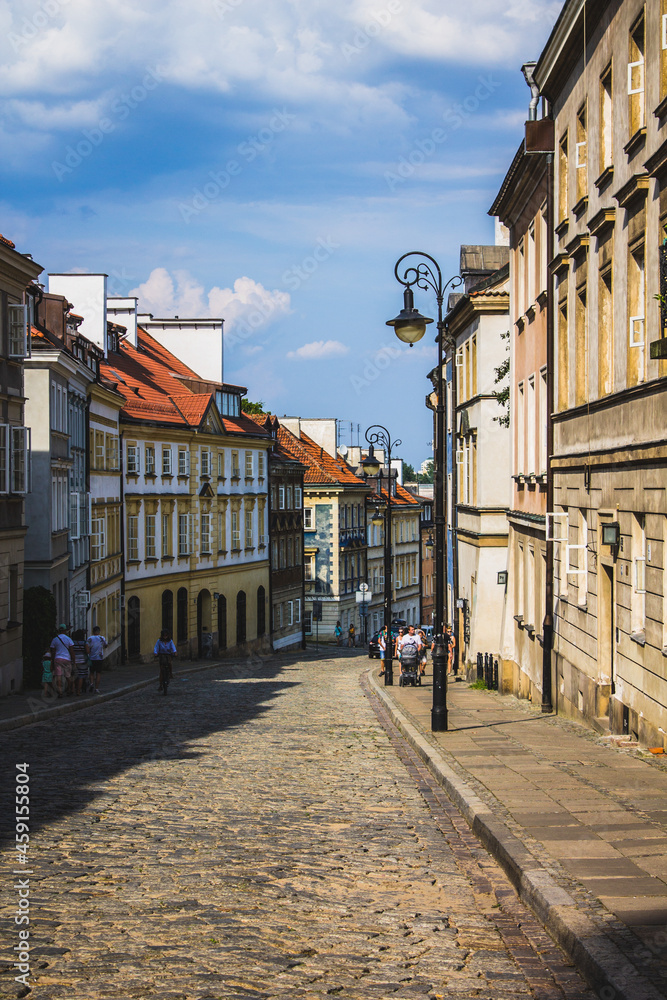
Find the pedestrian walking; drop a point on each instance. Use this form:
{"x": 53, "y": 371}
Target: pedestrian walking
{"x": 451, "y": 644}
{"x": 350, "y": 635}
{"x": 62, "y": 659}
{"x": 96, "y": 646}
{"x": 47, "y": 674}
{"x": 423, "y": 652}
{"x": 397, "y": 648}
{"x": 338, "y": 632}
{"x": 382, "y": 646}
{"x": 206, "y": 643}
{"x": 409, "y": 649}
{"x": 80, "y": 649}
{"x": 164, "y": 649}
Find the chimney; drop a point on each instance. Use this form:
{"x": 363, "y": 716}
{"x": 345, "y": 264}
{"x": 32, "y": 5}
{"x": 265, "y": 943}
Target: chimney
{"x": 123, "y": 310}
{"x": 88, "y": 295}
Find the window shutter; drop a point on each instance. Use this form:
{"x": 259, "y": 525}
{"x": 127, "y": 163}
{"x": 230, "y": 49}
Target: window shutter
{"x": 74, "y": 526}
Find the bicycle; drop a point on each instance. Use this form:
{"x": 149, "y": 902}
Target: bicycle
{"x": 165, "y": 672}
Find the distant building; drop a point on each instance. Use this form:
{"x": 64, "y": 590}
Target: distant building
{"x": 334, "y": 526}
{"x": 286, "y": 474}
{"x": 17, "y": 273}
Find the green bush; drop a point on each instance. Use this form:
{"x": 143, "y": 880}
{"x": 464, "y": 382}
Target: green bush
{"x": 39, "y": 628}
{"x": 479, "y": 684}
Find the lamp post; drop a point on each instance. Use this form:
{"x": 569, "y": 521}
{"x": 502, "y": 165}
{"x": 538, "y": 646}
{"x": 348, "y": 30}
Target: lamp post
{"x": 410, "y": 326}
{"x": 377, "y": 434}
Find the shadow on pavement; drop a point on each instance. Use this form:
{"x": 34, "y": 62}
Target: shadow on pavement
{"x": 73, "y": 757}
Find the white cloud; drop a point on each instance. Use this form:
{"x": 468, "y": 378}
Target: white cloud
{"x": 318, "y": 350}
{"x": 303, "y": 53}
{"x": 246, "y": 307}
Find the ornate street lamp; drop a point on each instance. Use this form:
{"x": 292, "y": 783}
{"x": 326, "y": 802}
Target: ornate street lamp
{"x": 377, "y": 434}
{"x": 410, "y": 327}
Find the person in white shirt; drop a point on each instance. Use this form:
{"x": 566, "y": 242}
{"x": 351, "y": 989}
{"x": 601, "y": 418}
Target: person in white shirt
{"x": 382, "y": 646}
{"x": 96, "y": 644}
{"x": 409, "y": 646}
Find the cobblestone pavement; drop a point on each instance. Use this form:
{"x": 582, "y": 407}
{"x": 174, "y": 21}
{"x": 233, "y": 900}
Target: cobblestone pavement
{"x": 258, "y": 835}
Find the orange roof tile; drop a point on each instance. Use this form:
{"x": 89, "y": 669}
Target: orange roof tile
{"x": 321, "y": 467}
{"x": 8, "y": 242}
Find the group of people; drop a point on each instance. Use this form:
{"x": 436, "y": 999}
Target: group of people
{"x": 73, "y": 664}
{"x": 351, "y": 635}
{"x": 412, "y": 644}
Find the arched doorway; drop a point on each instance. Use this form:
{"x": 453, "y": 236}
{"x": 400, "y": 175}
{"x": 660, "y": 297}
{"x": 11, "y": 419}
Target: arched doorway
{"x": 182, "y": 615}
{"x": 222, "y": 622}
{"x": 133, "y": 627}
{"x": 204, "y": 635}
{"x": 168, "y": 611}
{"x": 240, "y": 617}
{"x": 261, "y": 611}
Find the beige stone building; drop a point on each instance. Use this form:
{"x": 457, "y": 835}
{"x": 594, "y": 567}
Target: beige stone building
{"x": 604, "y": 72}
{"x": 521, "y": 205}
{"x": 17, "y": 272}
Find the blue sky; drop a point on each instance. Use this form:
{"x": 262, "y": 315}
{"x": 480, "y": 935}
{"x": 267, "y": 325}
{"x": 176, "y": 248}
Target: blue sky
{"x": 268, "y": 161}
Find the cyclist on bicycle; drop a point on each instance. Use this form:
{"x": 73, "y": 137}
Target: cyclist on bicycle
{"x": 164, "y": 649}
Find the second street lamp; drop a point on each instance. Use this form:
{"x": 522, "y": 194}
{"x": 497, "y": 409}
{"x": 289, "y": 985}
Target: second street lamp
{"x": 377, "y": 434}
{"x": 410, "y": 326}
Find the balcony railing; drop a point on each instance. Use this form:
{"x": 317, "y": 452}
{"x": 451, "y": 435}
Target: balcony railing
{"x": 352, "y": 536}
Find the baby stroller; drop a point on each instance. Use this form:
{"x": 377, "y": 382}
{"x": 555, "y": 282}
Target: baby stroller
{"x": 409, "y": 667}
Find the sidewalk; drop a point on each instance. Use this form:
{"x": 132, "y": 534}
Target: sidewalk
{"x": 578, "y": 821}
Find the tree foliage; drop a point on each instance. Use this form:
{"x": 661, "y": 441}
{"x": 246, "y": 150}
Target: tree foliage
{"x": 248, "y": 407}
{"x": 409, "y": 474}
{"x": 426, "y": 477}
{"x": 502, "y": 380}
{"x": 39, "y": 628}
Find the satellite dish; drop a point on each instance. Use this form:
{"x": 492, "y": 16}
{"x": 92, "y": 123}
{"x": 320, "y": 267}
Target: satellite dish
{"x": 342, "y": 450}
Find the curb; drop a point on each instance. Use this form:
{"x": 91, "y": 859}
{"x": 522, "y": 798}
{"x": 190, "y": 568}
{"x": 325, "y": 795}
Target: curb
{"x": 602, "y": 964}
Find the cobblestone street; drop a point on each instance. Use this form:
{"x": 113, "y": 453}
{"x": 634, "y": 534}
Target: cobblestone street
{"x": 260, "y": 832}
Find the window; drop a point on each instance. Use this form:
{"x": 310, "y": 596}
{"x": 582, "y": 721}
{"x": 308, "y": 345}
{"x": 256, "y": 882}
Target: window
{"x": 248, "y": 465}
{"x": 112, "y": 452}
{"x": 542, "y": 467}
{"x": 605, "y": 330}
{"x": 297, "y": 611}
{"x": 606, "y": 120}
{"x": 281, "y": 497}
{"x": 260, "y": 464}
{"x": 638, "y": 555}
{"x": 133, "y": 462}
{"x": 562, "y": 179}
{"x": 308, "y": 518}
{"x": 290, "y": 612}
{"x": 4, "y": 458}
{"x": 205, "y": 462}
{"x": 17, "y": 344}
{"x": 228, "y": 403}
{"x": 236, "y": 533}
{"x": 74, "y": 520}
{"x": 149, "y": 459}
{"x": 236, "y": 469}
{"x": 308, "y": 622}
{"x": 166, "y": 460}
{"x": 290, "y": 553}
{"x": 636, "y": 314}
{"x": 221, "y": 465}
{"x": 166, "y": 535}
{"x": 519, "y": 464}
{"x": 222, "y": 531}
{"x": 544, "y": 254}
{"x": 581, "y": 341}
{"x": 133, "y": 538}
{"x": 183, "y": 462}
{"x": 185, "y": 531}
{"x": 205, "y": 533}
{"x": 248, "y": 530}
{"x": 636, "y": 96}
{"x": 580, "y": 159}
{"x": 531, "y": 418}
{"x": 20, "y": 459}
{"x": 150, "y": 536}
{"x": 309, "y": 568}
{"x": 59, "y": 501}
{"x": 99, "y": 454}
{"x": 58, "y": 407}
{"x": 281, "y": 554}
{"x": 563, "y": 356}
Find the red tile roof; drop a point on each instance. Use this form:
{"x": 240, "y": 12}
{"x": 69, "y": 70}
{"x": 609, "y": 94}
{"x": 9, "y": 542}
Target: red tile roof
{"x": 8, "y": 242}
{"x": 321, "y": 467}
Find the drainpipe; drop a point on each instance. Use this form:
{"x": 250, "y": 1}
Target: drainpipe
{"x": 548, "y": 624}
{"x": 528, "y": 70}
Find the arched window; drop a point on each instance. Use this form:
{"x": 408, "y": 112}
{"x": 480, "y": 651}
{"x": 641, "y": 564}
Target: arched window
{"x": 168, "y": 611}
{"x": 222, "y": 622}
{"x": 240, "y": 617}
{"x": 133, "y": 627}
{"x": 182, "y": 615}
{"x": 261, "y": 611}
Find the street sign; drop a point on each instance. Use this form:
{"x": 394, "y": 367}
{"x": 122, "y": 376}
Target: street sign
{"x": 363, "y": 587}
{"x": 317, "y": 611}
{"x": 364, "y": 596}
{"x": 459, "y": 602}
